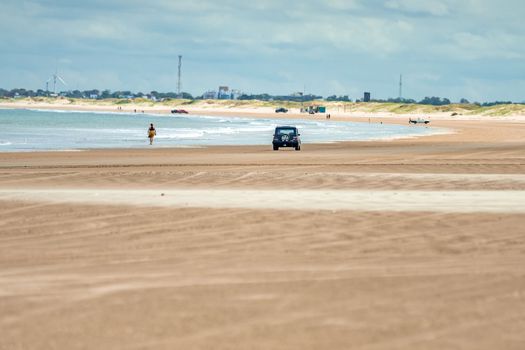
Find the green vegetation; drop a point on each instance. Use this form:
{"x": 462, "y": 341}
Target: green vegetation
{"x": 493, "y": 109}
{"x": 334, "y": 103}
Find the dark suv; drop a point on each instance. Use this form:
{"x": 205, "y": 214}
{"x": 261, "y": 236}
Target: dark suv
{"x": 286, "y": 136}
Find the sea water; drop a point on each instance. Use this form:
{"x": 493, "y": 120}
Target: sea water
{"x": 41, "y": 130}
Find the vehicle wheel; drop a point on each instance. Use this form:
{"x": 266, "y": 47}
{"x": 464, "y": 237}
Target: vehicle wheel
{"x": 275, "y": 148}
{"x": 297, "y": 148}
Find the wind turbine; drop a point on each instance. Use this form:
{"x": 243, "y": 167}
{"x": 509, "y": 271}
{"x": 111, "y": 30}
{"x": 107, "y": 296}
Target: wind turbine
{"x": 55, "y": 77}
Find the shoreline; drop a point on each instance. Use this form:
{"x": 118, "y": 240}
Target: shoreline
{"x": 245, "y": 245}
{"x": 229, "y": 114}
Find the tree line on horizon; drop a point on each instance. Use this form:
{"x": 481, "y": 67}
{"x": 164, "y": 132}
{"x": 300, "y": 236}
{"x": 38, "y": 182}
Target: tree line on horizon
{"x": 155, "y": 95}
{"x": 93, "y": 94}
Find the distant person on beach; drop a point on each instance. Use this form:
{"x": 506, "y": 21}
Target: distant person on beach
{"x": 151, "y": 133}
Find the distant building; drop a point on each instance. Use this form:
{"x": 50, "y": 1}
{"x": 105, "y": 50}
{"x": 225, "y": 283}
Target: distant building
{"x": 366, "y": 98}
{"x": 236, "y": 94}
{"x": 224, "y": 93}
{"x": 126, "y": 96}
{"x": 209, "y": 95}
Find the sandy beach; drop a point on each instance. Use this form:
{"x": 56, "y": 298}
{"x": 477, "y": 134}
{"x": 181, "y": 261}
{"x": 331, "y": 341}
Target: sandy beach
{"x": 408, "y": 244}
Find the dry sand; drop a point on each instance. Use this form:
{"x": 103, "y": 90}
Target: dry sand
{"x": 122, "y": 273}
{"x": 408, "y": 202}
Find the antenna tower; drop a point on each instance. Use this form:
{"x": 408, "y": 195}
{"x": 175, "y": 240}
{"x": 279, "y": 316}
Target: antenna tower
{"x": 54, "y": 78}
{"x": 400, "y": 86}
{"x": 178, "y": 80}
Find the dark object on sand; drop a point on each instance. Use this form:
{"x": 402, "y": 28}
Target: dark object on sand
{"x": 418, "y": 121}
{"x": 286, "y": 136}
{"x": 180, "y": 111}
{"x": 281, "y": 110}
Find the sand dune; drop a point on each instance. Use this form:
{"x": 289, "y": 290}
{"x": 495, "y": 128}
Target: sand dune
{"x": 461, "y": 111}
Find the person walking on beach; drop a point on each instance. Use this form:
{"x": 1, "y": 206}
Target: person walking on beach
{"x": 151, "y": 133}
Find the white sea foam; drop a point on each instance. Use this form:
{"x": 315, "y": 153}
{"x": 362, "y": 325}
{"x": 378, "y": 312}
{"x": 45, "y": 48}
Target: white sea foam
{"x": 181, "y": 134}
{"x": 77, "y": 111}
{"x": 106, "y": 113}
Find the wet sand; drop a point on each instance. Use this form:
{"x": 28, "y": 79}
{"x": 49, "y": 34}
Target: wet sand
{"x": 124, "y": 273}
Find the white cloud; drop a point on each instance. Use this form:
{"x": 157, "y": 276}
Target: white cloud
{"x": 490, "y": 45}
{"x": 265, "y": 45}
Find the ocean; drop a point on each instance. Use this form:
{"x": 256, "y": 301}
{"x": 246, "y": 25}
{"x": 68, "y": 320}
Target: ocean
{"x": 50, "y": 130}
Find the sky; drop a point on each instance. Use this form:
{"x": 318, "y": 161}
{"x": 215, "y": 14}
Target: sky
{"x": 473, "y": 49}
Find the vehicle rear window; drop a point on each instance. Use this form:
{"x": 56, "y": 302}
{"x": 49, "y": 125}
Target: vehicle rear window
{"x": 286, "y": 131}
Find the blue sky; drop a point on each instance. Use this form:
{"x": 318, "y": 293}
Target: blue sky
{"x": 450, "y": 48}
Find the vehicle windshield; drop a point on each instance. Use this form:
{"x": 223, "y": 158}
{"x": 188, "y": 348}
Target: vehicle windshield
{"x": 286, "y": 131}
